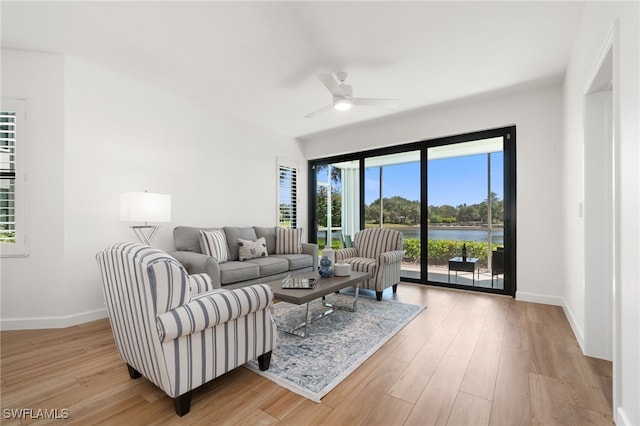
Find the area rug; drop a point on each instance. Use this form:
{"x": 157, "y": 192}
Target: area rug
{"x": 335, "y": 345}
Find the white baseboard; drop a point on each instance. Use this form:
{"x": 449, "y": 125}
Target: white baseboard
{"x": 621, "y": 418}
{"x": 556, "y": 301}
{"x": 539, "y": 298}
{"x": 577, "y": 331}
{"x": 51, "y": 322}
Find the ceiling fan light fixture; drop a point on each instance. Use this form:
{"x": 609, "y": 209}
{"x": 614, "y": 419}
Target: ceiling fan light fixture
{"x": 343, "y": 99}
{"x": 342, "y": 104}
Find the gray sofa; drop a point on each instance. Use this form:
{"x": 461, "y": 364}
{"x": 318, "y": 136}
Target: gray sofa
{"x": 234, "y": 273}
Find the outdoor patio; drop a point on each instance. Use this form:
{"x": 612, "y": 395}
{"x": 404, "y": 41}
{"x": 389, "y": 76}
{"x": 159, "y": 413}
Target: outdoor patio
{"x": 440, "y": 273}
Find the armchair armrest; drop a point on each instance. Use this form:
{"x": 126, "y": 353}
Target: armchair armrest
{"x": 345, "y": 253}
{"x": 389, "y": 257}
{"x": 198, "y": 263}
{"x": 212, "y": 308}
{"x": 311, "y": 249}
{"x": 199, "y": 283}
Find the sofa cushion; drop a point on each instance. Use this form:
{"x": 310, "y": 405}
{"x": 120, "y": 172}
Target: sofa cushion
{"x": 269, "y": 234}
{"x": 250, "y": 249}
{"x": 288, "y": 241}
{"x": 362, "y": 264}
{"x": 214, "y": 244}
{"x": 270, "y": 265}
{"x": 187, "y": 238}
{"x": 297, "y": 261}
{"x": 233, "y": 233}
{"x": 234, "y": 271}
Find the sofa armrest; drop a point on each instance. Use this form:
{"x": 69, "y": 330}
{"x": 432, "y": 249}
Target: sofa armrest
{"x": 198, "y": 263}
{"x": 346, "y": 253}
{"x": 389, "y": 257}
{"x": 311, "y": 249}
{"x": 212, "y": 308}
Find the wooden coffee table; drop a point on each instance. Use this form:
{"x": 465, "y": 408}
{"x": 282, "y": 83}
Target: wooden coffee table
{"x": 324, "y": 287}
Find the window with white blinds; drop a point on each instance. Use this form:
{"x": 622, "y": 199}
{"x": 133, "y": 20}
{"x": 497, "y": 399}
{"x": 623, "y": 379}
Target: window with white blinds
{"x": 12, "y": 182}
{"x": 287, "y": 195}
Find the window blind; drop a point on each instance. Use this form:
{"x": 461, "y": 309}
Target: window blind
{"x": 287, "y": 196}
{"x": 7, "y": 177}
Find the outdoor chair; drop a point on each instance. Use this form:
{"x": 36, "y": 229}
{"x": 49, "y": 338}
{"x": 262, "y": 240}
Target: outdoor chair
{"x": 346, "y": 241}
{"x": 174, "y": 329}
{"x": 497, "y": 263}
{"x": 378, "y": 251}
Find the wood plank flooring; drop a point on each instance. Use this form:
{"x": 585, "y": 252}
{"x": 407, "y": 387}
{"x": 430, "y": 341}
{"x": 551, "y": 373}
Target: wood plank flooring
{"x": 468, "y": 359}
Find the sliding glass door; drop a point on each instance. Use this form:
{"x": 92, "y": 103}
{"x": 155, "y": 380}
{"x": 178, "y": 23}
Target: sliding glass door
{"x": 392, "y": 200}
{"x": 453, "y": 199}
{"x": 466, "y": 213}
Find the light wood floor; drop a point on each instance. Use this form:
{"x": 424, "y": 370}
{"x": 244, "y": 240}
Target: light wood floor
{"x": 468, "y": 359}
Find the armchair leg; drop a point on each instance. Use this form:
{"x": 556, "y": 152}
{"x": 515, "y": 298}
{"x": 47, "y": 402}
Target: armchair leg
{"x": 395, "y": 288}
{"x": 264, "y": 360}
{"x": 182, "y": 404}
{"x": 133, "y": 373}
{"x": 378, "y": 296}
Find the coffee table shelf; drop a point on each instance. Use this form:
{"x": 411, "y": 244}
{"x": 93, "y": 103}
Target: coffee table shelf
{"x": 324, "y": 287}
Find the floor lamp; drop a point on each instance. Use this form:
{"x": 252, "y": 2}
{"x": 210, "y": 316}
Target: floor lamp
{"x": 145, "y": 207}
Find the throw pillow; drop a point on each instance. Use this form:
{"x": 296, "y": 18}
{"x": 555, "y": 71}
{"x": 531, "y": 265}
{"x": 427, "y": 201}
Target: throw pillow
{"x": 288, "y": 241}
{"x": 248, "y": 249}
{"x": 214, "y": 244}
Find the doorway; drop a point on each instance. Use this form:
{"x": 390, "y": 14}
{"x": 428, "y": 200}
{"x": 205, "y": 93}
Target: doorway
{"x": 599, "y": 213}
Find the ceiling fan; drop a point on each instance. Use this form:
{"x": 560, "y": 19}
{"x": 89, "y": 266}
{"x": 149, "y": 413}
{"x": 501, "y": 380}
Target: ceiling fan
{"x": 343, "y": 98}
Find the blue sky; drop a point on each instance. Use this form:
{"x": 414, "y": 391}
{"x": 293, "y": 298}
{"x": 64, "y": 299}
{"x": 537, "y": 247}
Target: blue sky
{"x": 452, "y": 181}
{"x": 461, "y": 180}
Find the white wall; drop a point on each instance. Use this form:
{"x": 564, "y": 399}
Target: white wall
{"x": 537, "y": 115}
{"x": 38, "y": 78}
{"x": 122, "y": 135}
{"x": 599, "y": 19}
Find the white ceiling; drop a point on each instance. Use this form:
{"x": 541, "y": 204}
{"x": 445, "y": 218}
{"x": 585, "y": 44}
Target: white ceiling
{"x": 257, "y": 60}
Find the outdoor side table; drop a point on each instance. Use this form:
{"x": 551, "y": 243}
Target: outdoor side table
{"x": 470, "y": 265}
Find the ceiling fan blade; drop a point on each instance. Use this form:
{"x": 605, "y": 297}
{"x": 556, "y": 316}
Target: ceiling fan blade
{"x": 319, "y": 111}
{"x": 330, "y": 82}
{"x": 386, "y": 103}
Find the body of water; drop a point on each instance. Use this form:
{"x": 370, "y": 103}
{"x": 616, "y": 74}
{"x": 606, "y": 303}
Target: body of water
{"x": 441, "y": 234}
{"x": 455, "y": 234}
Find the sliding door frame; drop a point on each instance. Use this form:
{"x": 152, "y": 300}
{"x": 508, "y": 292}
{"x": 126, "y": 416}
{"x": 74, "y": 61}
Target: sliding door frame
{"x": 508, "y": 135}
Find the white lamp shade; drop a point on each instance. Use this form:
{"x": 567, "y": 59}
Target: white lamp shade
{"x": 145, "y": 207}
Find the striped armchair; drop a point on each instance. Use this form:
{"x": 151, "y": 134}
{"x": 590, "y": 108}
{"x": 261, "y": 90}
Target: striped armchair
{"x": 174, "y": 329}
{"x": 378, "y": 251}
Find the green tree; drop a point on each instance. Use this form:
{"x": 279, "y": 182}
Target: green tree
{"x": 321, "y": 207}
{"x": 336, "y": 174}
{"x": 435, "y": 218}
{"x": 443, "y": 214}
{"x": 468, "y": 213}
{"x": 497, "y": 209}
{"x": 372, "y": 212}
{"x": 396, "y": 209}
